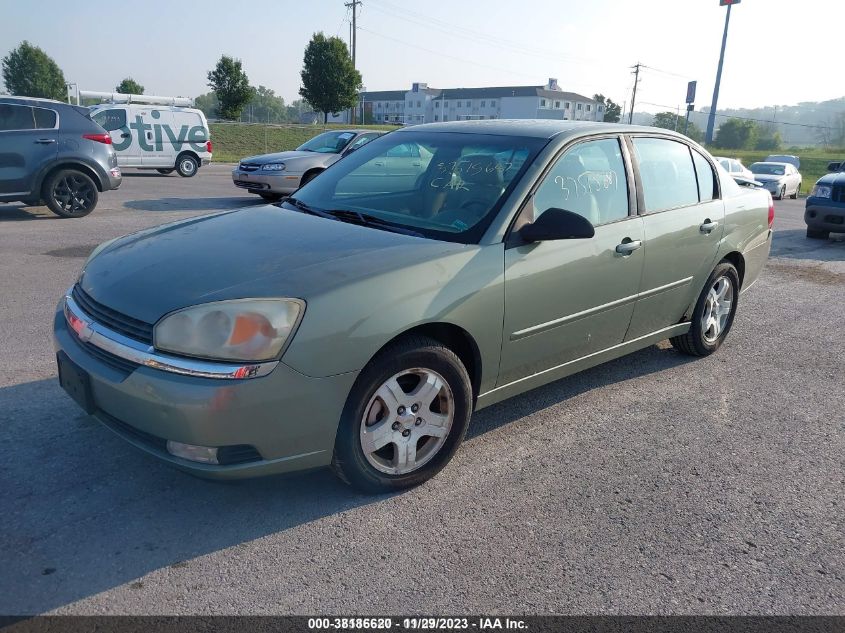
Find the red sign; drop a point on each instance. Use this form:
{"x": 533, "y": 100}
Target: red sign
{"x": 724, "y": 3}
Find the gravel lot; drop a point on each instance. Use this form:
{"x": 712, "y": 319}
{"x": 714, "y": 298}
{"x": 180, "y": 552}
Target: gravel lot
{"x": 653, "y": 484}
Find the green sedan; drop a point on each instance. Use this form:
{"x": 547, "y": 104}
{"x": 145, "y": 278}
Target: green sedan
{"x": 359, "y": 323}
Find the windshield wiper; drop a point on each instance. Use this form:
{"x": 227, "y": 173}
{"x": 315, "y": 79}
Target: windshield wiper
{"x": 365, "y": 219}
{"x": 299, "y": 204}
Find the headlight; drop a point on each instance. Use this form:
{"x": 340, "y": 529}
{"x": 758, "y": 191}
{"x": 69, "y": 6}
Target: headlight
{"x": 273, "y": 167}
{"x": 821, "y": 191}
{"x": 241, "y": 330}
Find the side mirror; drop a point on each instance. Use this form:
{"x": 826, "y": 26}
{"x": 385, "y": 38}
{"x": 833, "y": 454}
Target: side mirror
{"x": 834, "y": 166}
{"x": 557, "y": 224}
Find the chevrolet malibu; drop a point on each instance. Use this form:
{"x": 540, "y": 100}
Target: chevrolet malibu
{"x": 359, "y": 323}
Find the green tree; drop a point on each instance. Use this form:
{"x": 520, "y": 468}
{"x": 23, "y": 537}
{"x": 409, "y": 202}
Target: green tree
{"x": 267, "y": 107}
{"x": 129, "y": 86}
{"x": 612, "y": 110}
{"x": 208, "y": 103}
{"x": 737, "y": 134}
{"x": 672, "y": 121}
{"x": 330, "y": 82}
{"x": 29, "y": 72}
{"x": 768, "y": 138}
{"x": 231, "y": 85}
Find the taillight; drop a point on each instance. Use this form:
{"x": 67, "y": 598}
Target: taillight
{"x": 771, "y": 211}
{"x": 208, "y": 146}
{"x": 99, "y": 138}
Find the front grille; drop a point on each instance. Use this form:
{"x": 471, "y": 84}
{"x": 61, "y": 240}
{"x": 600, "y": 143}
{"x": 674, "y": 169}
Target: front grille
{"x": 838, "y": 194}
{"x": 112, "y": 319}
{"x": 226, "y": 455}
{"x": 248, "y": 167}
{"x": 243, "y": 184}
{"x": 115, "y": 362}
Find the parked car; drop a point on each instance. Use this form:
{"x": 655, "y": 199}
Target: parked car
{"x": 825, "y": 209}
{"x": 735, "y": 168}
{"x": 781, "y": 179}
{"x": 360, "y": 329}
{"x": 784, "y": 158}
{"x": 52, "y": 152}
{"x": 273, "y": 176}
{"x": 160, "y": 137}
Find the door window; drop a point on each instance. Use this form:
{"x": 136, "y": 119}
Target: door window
{"x": 16, "y": 117}
{"x": 588, "y": 180}
{"x": 362, "y": 140}
{"x": 706, "y": 180}
{"x": 45, "y": 119}
{"x": 667, "y": 173}
{"x": 111, "y": 120}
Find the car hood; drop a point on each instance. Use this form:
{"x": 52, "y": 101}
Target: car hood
{"x": 283, "y": 156}
{"x": 257, "y": 252}
{"x": 836, "y": 178}
{"x": 767, "y": 178}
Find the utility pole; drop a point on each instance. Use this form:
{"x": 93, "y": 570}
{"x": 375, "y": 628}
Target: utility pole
{"x": 711, "y": 120}
{"x": 353, "y": 4}
{"x": 636, "y": 74}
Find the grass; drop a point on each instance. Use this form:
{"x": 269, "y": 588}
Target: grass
{"x": 233, "y": 141}
{"x": 813, "y": 161}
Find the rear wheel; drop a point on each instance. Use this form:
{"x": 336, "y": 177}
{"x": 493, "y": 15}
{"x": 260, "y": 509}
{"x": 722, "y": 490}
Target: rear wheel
{"x": 404, "y": 418}
{"x": 187, "y": 165}
{"x": 70, "y": 193}
{"x": 165, "y": 172}
{"x": 713, "y": 315}
{"x": 813, "y": 234}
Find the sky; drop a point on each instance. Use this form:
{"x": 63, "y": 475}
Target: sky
{"x": 778, "y": 50}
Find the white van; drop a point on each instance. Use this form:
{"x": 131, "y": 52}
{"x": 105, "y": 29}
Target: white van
{"x": 160, "y": 137}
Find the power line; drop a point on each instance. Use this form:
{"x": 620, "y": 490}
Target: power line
{"x": 743, "y": 118}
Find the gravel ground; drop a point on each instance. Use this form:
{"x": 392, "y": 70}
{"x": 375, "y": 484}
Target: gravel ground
{"x": 650, "y": 485}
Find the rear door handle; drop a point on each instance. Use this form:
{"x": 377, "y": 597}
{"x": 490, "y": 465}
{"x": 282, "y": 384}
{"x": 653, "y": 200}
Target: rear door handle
{"x": 45, "y": 141}
{"x": 379, "y": 164}
{"x": 708, "y": 226}
{"x": 125, "y": 135}
{"x": 626, "y": 248}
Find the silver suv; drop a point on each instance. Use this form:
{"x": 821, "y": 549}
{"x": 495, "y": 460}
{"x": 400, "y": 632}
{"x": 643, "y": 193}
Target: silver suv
{"x": 273, "y": 176}
{"x": 53, "y": 152}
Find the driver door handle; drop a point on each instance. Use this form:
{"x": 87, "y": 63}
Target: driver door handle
{"x": 626, "y": 248}
{"x": 708, "y": 226}
{"x": 45, "y": 141}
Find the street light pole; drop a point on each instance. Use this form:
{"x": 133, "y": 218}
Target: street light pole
{"x": 711, "y": 121}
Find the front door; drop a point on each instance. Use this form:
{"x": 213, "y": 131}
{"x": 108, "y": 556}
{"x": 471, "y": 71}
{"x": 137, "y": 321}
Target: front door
{"x": 28, "y": 142}
{"x": 566, "y": 299}
{"x": 683, "y": 222}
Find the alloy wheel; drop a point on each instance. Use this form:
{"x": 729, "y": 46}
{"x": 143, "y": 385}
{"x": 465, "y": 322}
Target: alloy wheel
{"x": 717, "y": 309}
{"x": 407, "y": 420}
{"x": 74, "y": 194}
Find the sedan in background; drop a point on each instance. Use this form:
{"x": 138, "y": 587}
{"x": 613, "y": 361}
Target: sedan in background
{"x": 274, "y": 176}
{"x": 735, "y": 168}
{"x": 359, "y": 323}
{"x": 781, "y": 179}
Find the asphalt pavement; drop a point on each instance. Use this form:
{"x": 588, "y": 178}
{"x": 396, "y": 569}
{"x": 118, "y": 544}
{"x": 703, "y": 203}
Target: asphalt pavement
{"x": 654, "y": 484}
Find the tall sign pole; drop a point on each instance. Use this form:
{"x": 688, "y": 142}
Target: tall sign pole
{"x": 691, "y": 87}
{"x": 711, "y": 121}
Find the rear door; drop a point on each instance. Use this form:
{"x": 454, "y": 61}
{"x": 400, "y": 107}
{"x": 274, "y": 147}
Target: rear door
{"x": 684, "y": 221}
{"x": 28, "y": 143}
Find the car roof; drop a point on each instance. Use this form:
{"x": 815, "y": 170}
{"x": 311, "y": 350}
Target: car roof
{"x": 536, "y": 128}
{"x": 30, "y": 100}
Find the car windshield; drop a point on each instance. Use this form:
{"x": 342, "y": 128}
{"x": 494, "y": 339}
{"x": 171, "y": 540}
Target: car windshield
{"x": 328, "y": 143}
{"x": 768, "y": 170}
{"x": 442, "y": 185}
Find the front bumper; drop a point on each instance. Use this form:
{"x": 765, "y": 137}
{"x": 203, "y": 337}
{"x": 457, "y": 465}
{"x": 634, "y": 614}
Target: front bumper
{"x": 773, "y": 187}
{"x": 282, "y": 182}
{"x": 288, "y": 418}
{"x": 823, "y": 214}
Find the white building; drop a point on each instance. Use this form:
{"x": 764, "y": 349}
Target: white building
{"x": 422, "y": 104}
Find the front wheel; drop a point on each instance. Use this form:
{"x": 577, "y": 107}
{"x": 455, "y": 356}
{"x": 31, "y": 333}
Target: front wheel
{"x": 271, "y": 197}
{"x": 713, "y": 315}
{"x": 794, "y": 196}
{"x": 187, "y": 166}
{"x": 782, "y": 193}
{"x": 70, "y": 193}
{"x": 405, "y": 417}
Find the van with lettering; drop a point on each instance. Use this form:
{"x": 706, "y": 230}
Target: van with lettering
{"x": 161, "y": 137}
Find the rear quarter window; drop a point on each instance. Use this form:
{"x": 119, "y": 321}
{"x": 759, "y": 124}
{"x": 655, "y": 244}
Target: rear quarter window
{"x": 45, "y": 119}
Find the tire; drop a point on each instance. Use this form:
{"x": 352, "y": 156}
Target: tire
{"x": 311, "y": 175}
{"x": 70, "y": 193}
{"x": 782, "y": 193}
{"x": 270, "y": 197}
{"x": 794, "y": 196}
{"x": 697, "y": 342}
{"x": 186, "y": 166}
{"x": 165, "y": 172}
{"x": 418, "y": 367}
{"x": 814, "y": 234}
